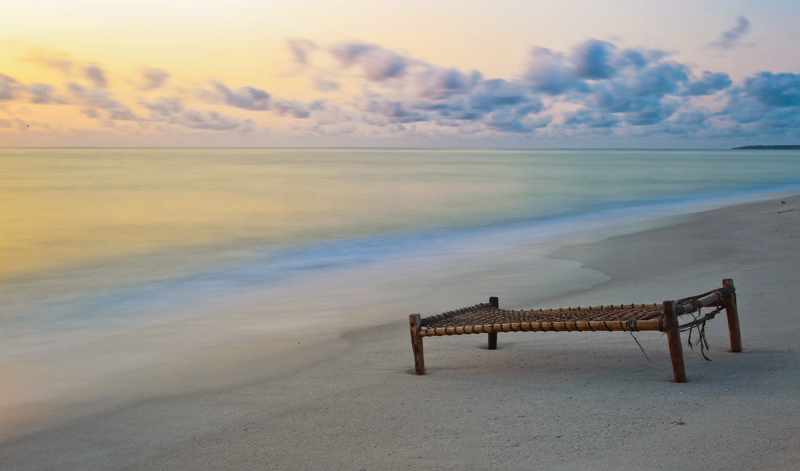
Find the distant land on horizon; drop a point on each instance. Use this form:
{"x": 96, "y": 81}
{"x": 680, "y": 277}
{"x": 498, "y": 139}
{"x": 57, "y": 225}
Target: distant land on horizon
{"x": 769, "y": 147}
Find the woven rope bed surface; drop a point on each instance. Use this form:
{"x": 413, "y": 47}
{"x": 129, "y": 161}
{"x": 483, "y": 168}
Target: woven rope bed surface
{"x": 484, "y": 313}
{"x": 485, "y": 318}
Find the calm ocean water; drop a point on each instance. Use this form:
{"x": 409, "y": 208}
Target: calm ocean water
{"x": 112, "y": 260}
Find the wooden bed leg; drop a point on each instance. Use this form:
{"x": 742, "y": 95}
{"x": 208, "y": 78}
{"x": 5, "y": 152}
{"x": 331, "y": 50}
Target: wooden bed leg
{"x": 495, "y": 303}
{"x": 674, "y": 340}
{"x": 416, "y": 344}
{"x": 733, "y": 319}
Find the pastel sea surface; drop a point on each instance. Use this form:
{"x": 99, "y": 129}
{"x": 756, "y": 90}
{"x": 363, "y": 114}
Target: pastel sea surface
{"x": 114, "y": 261}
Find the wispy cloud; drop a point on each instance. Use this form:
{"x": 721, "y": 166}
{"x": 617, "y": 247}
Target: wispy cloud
{"x": 377, "y": 63}
{"x": 101, "y": 99}
{"x": 10, "y": 88}
{"x": 96, "y": 75}
{"x": 49, "y": 59}
{"x": 42, "y": 93}
{"x": 39, "y": 93}
{"x": 300, "y": 49}
{"x": 153, "y": 78}
{"x": 732, "y": 38}
{"x": 247, "y": 98}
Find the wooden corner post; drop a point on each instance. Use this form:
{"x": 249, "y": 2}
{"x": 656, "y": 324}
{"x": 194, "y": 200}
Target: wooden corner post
{"x": 495, "y": 303}
{"x": 416, "y": 343}
{"x": 674, "y": 340}
{"x": 733, "y": 319}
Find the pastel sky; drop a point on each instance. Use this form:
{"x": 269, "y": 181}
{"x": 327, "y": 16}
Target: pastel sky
{"x": 477, "y": 73}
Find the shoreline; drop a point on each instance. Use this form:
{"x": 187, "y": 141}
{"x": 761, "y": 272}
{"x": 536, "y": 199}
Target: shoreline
{"x": 595, "y": 396}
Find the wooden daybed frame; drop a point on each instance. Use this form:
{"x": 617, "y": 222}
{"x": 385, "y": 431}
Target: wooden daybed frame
{"x": 490, "y": 319}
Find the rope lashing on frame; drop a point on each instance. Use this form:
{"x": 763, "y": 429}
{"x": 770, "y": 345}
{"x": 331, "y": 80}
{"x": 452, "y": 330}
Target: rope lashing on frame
{"x": 699, "y": 320}
{"x": 696, "y": 302}
{"x": 699, "y": 323}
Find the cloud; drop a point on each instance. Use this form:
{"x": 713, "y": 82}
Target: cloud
{"x": 164, "y": 107}
{"x": 90, "y": 112}
{"x": 38, "y": 93}
{"x": 510, "y": 122}
{"x": 591, "y": 119}
{"x": 53, "y": 60}
{"x": 708, "y": 84}
{"x": 212, "y": 120}
{"x": 10, "y": 88}
{"x": 254, "y": 99}
{"x": 498, "y": 93}
{"x": 293, "y": 108}
{"x": 660, "y": 80}
{"x": 614, "y": 88}
{"x": 636, "y": 59}
{"x": 102, "y": 99}
{"x": 96, "y": 75}
{"x": 743, "y": 109}
{"x": 649, "y": 112}
{"x": 782, "y": 119}
{"x": 730, "y": 39}
{"x": 407, "y": 91}
{"x": 595, "y": 88}
{"x": 686, "y": 124}
{"x": 632, "y": 103}
{"x": 554, "y": 73}
{"x": 153, "y": 78}
{"x": 638, "y": 87}
{"x": 396, "y": 111}
{"x": 440, "y": 82}
{"x": 300, "y": 49}
{"x": 766, "y": 101}
{"x": 593, "y": 60}
{"x": 779, "y": 90}
{"x": 441, "y": 97}
{"x": 42, "y": 93}
{"x": 428, "y": 93}
{"x": 325, "y": 85}
{"x": 248, "y": 98}
{"x": 172, "y": 110}
{"x": 694, "y": 118}
{"x": 377, "y": 63}
{"x": 348, "y": 52}
{"x": 631, "y": 82}
{"x": 550, "y": 73}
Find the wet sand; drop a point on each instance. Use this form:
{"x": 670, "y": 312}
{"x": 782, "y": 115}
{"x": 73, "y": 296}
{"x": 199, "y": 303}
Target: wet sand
{"x": 541, "y": 401}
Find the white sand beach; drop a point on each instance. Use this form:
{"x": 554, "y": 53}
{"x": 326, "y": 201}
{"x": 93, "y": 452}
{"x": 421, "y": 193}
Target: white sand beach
{"x": 550, "y": 401}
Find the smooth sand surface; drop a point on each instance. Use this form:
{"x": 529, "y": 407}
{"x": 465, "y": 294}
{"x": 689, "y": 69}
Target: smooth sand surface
{"x": 548, "y": 401}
